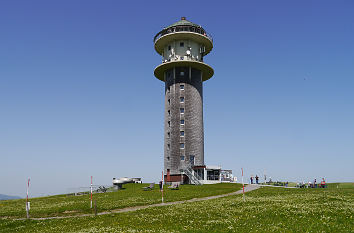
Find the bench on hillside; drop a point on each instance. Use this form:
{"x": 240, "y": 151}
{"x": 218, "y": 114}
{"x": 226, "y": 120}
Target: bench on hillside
{"x": 150, "y": 187}
{"x": 174, "y": 186}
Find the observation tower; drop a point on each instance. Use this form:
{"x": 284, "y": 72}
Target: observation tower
{"x": 183, "y": 46}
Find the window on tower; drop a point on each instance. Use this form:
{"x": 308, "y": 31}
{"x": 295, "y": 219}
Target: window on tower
{"x": 182, "y": 122}
{"x": 191, "y": 159}
{"x": 169, "y": 101}
{"x": 181, "y": 87}
{"x": 169, "y": 112}
{"x": 181, "y": 145}
{"x": 182, "y": 73}
{"x": 181, "y": 44}
{"x": 182, "y": 133}
{"x": 168, "y": 134}
{"x": 169, "y": 124}
{"x": 182, "y": 157}
{"x": 181, "y": 99}
{"x": 168, "y": 146}
{"x": 181, "y": 110}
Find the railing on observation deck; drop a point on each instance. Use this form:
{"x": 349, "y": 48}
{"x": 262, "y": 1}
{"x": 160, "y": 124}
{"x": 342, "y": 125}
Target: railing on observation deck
{"x": 181, "y": 58}
{"x": 181, "y": 28}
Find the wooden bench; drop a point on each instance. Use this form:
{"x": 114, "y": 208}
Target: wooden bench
{"x": 150, "y": 187}
{"x": 174, "y": 186}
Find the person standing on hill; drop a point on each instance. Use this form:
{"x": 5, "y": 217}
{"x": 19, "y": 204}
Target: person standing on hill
{"x": 323, "y": 183}
{"x": 251, "y": 179}
{"x": 257, "y": 178}
{"x": 160, "y": 185}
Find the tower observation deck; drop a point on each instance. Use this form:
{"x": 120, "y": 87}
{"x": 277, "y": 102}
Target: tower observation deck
{"x": 183, "y": 46}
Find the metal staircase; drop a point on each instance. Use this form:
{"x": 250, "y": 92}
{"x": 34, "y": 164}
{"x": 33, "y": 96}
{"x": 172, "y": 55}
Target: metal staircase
{"x": 193, "y": 178}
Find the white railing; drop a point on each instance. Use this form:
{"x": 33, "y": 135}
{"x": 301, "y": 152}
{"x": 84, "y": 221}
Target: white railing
{"x": 181, "y": 58}
{"x": 193, "y": 177}
{"x": 198, "y": 30}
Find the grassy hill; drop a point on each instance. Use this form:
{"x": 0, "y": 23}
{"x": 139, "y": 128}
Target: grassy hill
{"x": 347, "y": 185}
{"x": 131, "y": 195}
{"x": 266, "y": 210}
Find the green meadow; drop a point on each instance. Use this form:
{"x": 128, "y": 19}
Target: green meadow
{"x": 267, "y": 209}
{"x": 131, "y": 195}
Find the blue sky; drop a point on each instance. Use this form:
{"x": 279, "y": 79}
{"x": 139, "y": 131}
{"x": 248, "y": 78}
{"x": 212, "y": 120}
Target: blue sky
{"x": 78, "y": 96}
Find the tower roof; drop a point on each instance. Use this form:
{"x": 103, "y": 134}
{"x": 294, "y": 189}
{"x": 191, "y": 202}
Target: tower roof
{"x": 183, "y": 22}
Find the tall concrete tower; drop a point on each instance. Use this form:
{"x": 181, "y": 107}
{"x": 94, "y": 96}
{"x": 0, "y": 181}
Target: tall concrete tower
{"x": 183, "y": 46}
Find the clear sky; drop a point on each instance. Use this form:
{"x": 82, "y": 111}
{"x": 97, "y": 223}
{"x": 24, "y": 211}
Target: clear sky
{"x": 78, "y": 96}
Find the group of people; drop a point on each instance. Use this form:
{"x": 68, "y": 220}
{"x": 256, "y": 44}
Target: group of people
{"x": 254, "y": 178}
{"x": 313, "y": 184}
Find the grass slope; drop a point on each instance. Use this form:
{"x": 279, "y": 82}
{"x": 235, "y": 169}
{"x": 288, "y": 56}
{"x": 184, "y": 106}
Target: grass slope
{"x": 265, "y": 210}
{"x": 132, "y": 195}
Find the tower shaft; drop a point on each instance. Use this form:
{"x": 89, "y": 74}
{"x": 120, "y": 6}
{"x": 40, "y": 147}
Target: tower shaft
{"x": 184, "y": 135}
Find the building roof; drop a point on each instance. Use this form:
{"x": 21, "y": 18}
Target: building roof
{"x": 183, "y": 22}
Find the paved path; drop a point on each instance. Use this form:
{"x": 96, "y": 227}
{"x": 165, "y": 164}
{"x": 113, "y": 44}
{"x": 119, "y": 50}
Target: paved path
{"x": 267, "y": 185}
{"x": 248, "y": 188}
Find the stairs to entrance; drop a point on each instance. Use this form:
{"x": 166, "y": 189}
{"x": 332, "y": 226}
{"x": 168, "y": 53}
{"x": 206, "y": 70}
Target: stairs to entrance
{"x": 193, "y": 178}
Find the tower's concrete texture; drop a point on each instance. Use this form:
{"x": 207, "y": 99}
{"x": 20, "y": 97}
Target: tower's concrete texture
{"x": 182, "y": 46}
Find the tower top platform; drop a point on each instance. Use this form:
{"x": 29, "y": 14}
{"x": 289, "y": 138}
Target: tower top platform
{"x": 183, "y": 29}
